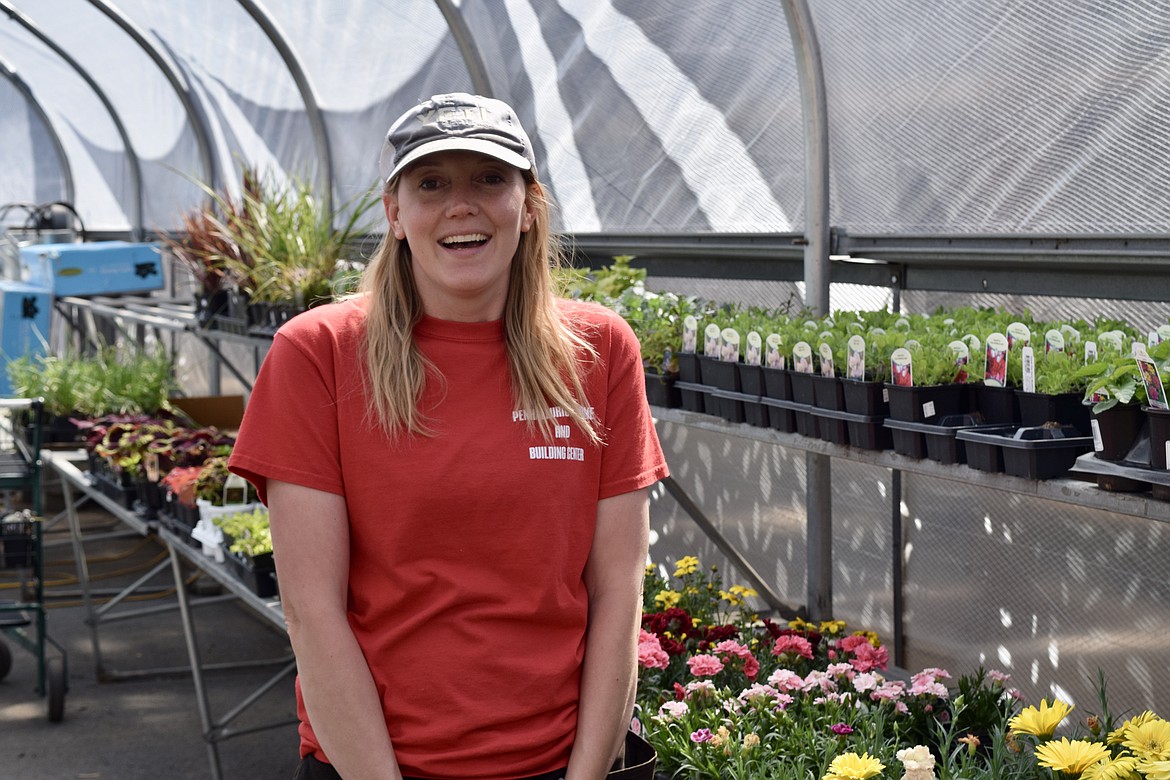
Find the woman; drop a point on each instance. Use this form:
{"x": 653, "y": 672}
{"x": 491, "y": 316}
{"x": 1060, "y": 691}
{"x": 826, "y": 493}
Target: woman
{"x": 455, "y": 464}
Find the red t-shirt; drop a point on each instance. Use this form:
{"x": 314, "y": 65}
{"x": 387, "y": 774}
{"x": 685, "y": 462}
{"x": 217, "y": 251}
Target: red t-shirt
{"x": 466, "y": 549}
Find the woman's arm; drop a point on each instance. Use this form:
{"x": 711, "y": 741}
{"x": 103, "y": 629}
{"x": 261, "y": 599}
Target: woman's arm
{"x": 310, "y": 536}
{"x": 613, "y": 576}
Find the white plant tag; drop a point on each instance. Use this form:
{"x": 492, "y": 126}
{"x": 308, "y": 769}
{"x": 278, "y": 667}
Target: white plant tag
{"x": 1028, "y": 363}
{"x": 928, "y": 409}
{"x": 1098, "y": 445}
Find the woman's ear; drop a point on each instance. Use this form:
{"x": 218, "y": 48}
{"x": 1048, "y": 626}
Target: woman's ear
{"x": 390, "y": 205}
{"x": 529, "y": 218}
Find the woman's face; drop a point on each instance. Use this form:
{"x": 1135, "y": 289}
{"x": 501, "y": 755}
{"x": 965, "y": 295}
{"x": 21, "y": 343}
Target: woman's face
{"x": 462, "y": 214}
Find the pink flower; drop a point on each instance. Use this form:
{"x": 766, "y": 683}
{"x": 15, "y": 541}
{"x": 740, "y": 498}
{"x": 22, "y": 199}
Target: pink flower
{"x": 797, "y": 646}
{"x": 866, "y": 681}
{"x": 817, "y": 680}
{"x": 786, "y": 680}
{"x": 931, "y": 688}
{"x": 751, "y": 667}
{"x": 890, "y": 690}
{"x": 997, "y": 676}
{"x": 867, "y": 658}
{"x": 850, "y": 643}
{"x": 650, "y": 652}
{"x": 703, "y": 665}
{"x": 702, "y": 735}
{"x": 841, "y": 729}
{"x": 674, "y": 709}
{"x": 783, "y": 700}
{"x": 731, "y": 647}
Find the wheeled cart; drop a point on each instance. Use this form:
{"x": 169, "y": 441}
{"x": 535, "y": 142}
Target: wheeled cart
{"x": 22, "y": 601}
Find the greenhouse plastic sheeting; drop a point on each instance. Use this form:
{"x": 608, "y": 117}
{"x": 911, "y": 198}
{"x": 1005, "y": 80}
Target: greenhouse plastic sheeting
{"x": 648, "y": 116}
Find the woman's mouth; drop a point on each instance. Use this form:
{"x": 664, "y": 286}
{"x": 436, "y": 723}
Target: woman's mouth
{"x": 465, "y": 241}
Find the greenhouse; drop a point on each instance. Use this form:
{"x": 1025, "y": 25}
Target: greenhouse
{"x": 894, "y": 279}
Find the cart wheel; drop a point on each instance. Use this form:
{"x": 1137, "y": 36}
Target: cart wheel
{"x": 55, "y": 682}
{"x": 5, "y": 659}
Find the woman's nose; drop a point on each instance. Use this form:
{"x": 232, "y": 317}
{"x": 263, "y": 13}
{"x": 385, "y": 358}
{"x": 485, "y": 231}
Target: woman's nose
{"x": 461, "y": 201}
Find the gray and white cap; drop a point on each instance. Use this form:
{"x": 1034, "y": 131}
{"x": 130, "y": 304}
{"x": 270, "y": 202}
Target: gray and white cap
{"x": 456, "y": 121}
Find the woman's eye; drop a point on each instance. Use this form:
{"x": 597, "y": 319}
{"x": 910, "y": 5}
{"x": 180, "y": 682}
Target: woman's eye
{"x": 428, "y": 183}
{"x": 493, "y": 178}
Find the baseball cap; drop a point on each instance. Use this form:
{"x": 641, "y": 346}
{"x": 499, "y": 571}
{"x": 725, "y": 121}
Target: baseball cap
{"x": 456, "y": 121}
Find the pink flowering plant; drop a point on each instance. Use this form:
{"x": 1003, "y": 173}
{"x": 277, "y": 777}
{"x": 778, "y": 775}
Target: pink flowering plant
{"x": 727, "y": 693}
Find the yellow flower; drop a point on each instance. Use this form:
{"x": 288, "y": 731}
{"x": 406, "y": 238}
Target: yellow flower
{"x": 737, "y": 595}
{"x": 1117, "y": 736}
{"x": 720, "y": 736}
{"x": 832, "y": 626}
{"x": 797, "y": 624}
{"x": 1155, "y": 770}
{"x": 1150, "y": 740}
{"x": 1070, "y": 758}
{"x": 1040, "y": 722}
{"x": 850, "y": 766}
{"x": 1123, "y": 768}
{"x": 686, "y": 565}
{"x": 972, "y": 742}
{"x": 667, "y": 598}
{"x": 751, "y": 741}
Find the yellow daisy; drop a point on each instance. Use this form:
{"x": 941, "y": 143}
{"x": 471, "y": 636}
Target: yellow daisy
{"x": 1150, "y": 740}
{"x": 667, "y": 598}
{"x": 1155, "y": 770}
{"x": 686, "y": 565}
{"x": 1070, "y": 758}
{"x": 850, "y": 766}
{"x": 1123, "y": 768}
{"x": 1040, "y": 722}
{"x": 1117, "y": 736}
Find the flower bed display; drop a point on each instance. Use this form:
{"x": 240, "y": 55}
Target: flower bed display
{"x": 726, "y": 694}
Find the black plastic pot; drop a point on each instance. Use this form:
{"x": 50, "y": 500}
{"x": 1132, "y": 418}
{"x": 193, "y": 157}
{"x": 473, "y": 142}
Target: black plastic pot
{"x": 751, "y": 383}
{"x": 1159, "y": 423}
{"x": 1116, "y": 433}
{"x": 868, "y": 398}
{"x": 689, "y": 372}
{"x": 925, "y": 404}
{"x": 996, "y": 405}
{"x": 1063, "y": 408}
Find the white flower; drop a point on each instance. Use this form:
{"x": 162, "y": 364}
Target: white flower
{"x": 674, "y": 709}
{"x": 866, "y": 681}
{"x": 918, "y": 762}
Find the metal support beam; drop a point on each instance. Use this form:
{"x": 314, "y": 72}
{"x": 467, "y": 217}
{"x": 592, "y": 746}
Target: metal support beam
{"x": 8, "y": 72}
{"x": 472, "y": 59}
{"x": 136, "y": 218}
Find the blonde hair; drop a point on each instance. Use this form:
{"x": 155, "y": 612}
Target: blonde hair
{"x": 546, "y": 357}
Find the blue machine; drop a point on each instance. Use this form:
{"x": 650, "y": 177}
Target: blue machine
{"x": 97, "y": 268}
{"x": 24, "y": 324}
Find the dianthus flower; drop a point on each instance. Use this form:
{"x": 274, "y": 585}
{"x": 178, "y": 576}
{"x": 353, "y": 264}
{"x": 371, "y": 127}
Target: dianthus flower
{"x": 702, "y": 735}
{"x": 650, "y": 652}
{"x": 794, "y": 646}
{"x": 674, "y": 709}
{"x": 786, "y": 680}
{"x": 867, "y": 658}
{"x": 704, "y": 665}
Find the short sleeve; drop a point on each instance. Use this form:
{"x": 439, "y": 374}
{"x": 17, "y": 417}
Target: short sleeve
{"x": 289, "y": 431}
{"x": 632, "y": 456}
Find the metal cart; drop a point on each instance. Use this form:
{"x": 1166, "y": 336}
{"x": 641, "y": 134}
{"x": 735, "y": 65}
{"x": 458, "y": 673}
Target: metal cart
{"x": 21, "y": 552}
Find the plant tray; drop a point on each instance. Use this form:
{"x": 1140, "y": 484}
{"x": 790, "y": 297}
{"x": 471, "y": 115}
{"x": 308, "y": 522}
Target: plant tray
{"x": 661, "y": 391}
{"x": 693, "y": 396}
{"x": 258, "y": 573}
{"x": 1123, "y": 477}
{"x": 777, "y": 384}
{"x": 781, "y": 415}
{"x": 939, "y": 442}
{"x": 1029, "y": 452}
{"x": 731, "y": 404}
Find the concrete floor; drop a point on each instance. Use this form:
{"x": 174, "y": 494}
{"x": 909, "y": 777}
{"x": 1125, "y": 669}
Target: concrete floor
{"x": 144, "y": 727}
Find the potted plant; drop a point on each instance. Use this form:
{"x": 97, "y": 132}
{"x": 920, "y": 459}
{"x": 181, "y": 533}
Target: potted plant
{"x": 247, "y": 540}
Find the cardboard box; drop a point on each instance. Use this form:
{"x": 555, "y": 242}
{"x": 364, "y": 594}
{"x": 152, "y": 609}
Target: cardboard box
{"x": 97, "y": 268}
{"x": 224, "y": 412}
{"x": 24, "y": 324}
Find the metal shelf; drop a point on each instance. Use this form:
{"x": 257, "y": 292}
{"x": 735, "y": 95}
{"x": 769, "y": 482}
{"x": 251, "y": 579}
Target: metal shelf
{"x": 1069, "y": 491}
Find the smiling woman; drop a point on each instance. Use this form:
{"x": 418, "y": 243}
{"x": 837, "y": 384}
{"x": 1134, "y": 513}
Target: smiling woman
{"x": 475, "y": 483}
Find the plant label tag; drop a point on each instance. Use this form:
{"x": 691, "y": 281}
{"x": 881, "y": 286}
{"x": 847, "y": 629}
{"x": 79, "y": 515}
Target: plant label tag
{"x": 773, "y": 356}
{"x": 690, "y": 334}
{"x": 1148, "y": 371}
{"x": 151, "y": 466}
{"x": 902, "y": 367}
{"x": 928, "y": 409}
{"x": 1152, "y": 338}
{"x": 995, "y": 371}
{"x": 754, "y": 349}
{"x": 1167, "y": 458}
{"x": 1028, "y": 364}
{"x": 826, "y": 354}
{"x": 1090, "y": 352}
{"x": 1163, "y": 332}
{"x": 802, "y": 357}
{"x": 855, "y": 364}
{"x": 711, "y": 338}
{"x": 1018, "y": 333}
{"x": 729, "y": 345}
{"x": 886, "y": 395}
{"x": 1098, "y": 445}
{"x": 235, "y": 490}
